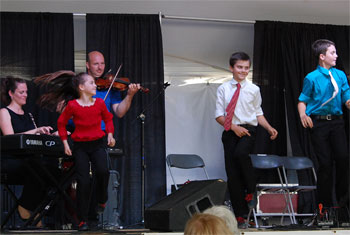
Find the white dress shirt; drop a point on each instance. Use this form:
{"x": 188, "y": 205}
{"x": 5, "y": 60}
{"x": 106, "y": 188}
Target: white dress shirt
{"x": 248, "y": 105}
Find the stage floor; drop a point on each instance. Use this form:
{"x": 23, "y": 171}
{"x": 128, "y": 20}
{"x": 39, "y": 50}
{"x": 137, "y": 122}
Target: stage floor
{"x": 314, "y": 231}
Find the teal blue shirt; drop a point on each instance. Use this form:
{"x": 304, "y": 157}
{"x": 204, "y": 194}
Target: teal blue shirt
{"x": 317, "y": 89}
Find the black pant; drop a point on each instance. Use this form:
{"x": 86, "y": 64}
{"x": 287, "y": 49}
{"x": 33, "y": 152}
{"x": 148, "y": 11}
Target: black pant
{"x": 330, "y": 145}
{"x": 94, "y": 152}
{"x": 240, "y": 172}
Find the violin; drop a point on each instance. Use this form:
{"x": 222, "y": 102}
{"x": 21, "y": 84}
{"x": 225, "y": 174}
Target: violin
{"x": 120, "y": 84}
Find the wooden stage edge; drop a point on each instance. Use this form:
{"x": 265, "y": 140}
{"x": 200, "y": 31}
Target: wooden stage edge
{"x": 337, "y": 231}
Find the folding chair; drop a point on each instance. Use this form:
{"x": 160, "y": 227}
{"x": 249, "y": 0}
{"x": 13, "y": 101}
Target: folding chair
{"x": 270, "y": 162}
{"x": 297, "y": 164}
{"x": 185, "y": 161}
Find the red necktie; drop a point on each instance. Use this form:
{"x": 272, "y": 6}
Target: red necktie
{"x": 231, "y": 108}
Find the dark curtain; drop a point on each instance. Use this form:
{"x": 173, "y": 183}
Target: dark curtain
{"x": 136, "y": 42}
{"x": 267, "y": 75}
{"x": 282, "y": 58}
{"x": 33, "y": 44}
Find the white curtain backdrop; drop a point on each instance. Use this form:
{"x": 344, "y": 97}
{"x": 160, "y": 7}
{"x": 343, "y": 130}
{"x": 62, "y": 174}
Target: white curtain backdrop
{"x": 191, "y": 128}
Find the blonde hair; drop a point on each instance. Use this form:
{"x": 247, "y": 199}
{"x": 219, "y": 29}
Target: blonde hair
{"x": 226, "y": 214}
{"x": 205, "y": 224}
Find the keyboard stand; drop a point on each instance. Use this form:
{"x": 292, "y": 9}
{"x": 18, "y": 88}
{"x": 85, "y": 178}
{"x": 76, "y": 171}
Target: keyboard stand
{"x": 53, "y": 196}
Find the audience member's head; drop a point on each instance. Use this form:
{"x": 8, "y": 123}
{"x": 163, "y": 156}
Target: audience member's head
{"x": 226, "y": 214}
{"x": 203, "y": 224}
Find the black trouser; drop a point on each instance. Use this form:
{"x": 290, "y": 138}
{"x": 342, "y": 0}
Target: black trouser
{"x": 239, "y": 170}
{"x": 330, "y": 145}
{"x": 94, "y": 152}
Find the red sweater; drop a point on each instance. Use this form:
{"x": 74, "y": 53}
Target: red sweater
{"x": 87, "y": 120}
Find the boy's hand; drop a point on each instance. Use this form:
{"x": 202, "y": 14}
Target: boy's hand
{"x": 273, "y": 133}
{"x": 306, "y": 121}
{"x": 239, "y": 131}
{"x": 347, "y": 103}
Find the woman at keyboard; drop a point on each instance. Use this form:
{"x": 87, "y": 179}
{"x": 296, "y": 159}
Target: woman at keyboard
{"x": 14, "y": 120}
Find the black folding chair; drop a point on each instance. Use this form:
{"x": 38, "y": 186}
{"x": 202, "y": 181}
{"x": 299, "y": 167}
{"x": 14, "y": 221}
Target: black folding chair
{"x": 298, "y": 164}
{"x": 185, "y": 161}
{"x": 270, "y": 162}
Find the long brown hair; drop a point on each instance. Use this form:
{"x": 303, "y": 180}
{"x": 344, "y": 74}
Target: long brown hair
{"x": 61, "y": 86}
{"x": 9, "y": 84}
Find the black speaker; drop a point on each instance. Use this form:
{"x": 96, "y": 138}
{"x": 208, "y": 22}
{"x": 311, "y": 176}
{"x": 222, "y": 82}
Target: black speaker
{"x": 172, "y": 212}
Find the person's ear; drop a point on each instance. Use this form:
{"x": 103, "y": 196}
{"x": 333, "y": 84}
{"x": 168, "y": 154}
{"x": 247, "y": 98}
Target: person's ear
{"x": 231, "y": 68}
{"x": 87, "y": 65}
{"x": 81, "y": 87}
{"x": 322, "y": 56}
{"x": 10, "y": 93}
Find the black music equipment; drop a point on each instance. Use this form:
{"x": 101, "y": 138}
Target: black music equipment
{"x": 333, "y": 217}
{"x": 172, "y": 212}
{"x": 110, "y": 218}
{"x": 24, "y": 143}
{"x": 114, "y": 152}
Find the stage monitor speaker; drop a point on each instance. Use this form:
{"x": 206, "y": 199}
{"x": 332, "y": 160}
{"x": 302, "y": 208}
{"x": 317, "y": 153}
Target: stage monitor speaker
{"x": 172, "y": 212}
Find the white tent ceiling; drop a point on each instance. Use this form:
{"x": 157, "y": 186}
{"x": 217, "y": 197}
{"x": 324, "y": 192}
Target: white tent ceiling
{"x": 196, "y": 51}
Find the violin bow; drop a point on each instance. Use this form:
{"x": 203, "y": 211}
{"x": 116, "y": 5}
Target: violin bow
{"x": 110, "y": 86}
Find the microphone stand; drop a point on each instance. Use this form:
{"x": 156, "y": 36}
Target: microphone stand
{"x": 142, "y": 117}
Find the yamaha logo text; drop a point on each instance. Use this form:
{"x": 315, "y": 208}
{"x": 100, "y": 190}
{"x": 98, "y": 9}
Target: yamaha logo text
{"x": 34, "y": 142}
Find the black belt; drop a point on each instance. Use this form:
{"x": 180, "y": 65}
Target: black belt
{"x": 328, "y": 117}
{"x": 246, "y": 125}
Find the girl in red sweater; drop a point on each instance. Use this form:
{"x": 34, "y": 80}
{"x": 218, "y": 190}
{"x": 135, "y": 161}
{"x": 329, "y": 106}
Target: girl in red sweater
{"x": 87, "y": 113}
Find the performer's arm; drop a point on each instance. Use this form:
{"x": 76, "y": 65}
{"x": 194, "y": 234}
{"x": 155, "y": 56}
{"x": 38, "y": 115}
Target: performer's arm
{"x": 306, "y": 121}
{"x": 238, "y": 130}
{"x": 220, "y": 120}
{"x": 264, "y": 123}
{"x": 62, "y": 130}
{"x": 107, "y": 117}
{"x": 7, "y": 128}
{"x": 122, "y": 108}
{"x": 62, "y": 122}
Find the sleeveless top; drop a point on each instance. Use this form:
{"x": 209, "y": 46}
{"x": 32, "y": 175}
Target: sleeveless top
{"x": 21, "y": 122}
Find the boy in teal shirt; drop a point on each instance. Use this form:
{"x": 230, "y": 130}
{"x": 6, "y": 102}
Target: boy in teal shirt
{"x": 324, "y": 92}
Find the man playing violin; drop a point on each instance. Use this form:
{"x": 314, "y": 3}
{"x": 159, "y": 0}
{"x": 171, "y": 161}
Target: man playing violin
{"x": 96, "y": 67}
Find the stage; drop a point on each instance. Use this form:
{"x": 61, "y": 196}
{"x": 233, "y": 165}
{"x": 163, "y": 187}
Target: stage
{"x": 311, "y": 231}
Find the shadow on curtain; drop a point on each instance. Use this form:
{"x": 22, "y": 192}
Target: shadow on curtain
{"x": 282, "y": 58}
{"x": 136, "y": 42}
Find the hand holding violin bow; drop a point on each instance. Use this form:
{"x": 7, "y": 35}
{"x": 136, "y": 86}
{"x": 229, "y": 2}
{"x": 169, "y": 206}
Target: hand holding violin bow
{"x": 120, "y": 84}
